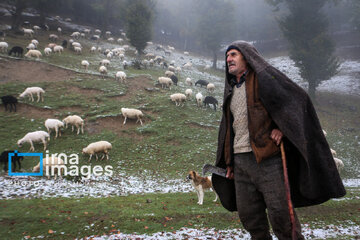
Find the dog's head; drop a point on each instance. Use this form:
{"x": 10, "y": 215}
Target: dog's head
{"x": 192, "y": 175}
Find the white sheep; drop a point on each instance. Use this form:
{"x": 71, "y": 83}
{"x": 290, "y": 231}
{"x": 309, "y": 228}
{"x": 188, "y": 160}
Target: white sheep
{"x": 53, "y": 37}
{"x": 85, "y": 64}
{"x": 172, "y": 68}
{"x": 28, "y": 32}
{"x": 178, "y": 98}
{"x": 98, "y": 147}
{"x": 132, "y": 113}
{"x": 165, "y": 81}
{"x": 74, "y": 120}
{"x": 51, "y": 165}
{"x": 47, "y": 51}
{"x": 33, "y": 90}
{"x": 33, "y": 53}
{"x": 31, "y": 46}
{"x": 103, "y": 70}
{"x": 188, "y": 81}
{"x": 58, "y": 49}
{"x": 199, "y": 99}
{"x": 188, "y": 93}
{"x": 120, "y": 75}
{"x": 169, "y": 73}
{"x": 92, "y": 49}
{"x": 37, "y": 136}
{"x": 54, "y": 124}
{"x": 78, "y": 50}
{"x": 35, "y": 42}
{"x": 339, "y": 164}
{"x": 187, "y": 65}
{"x": 105, "y": 62}
{"x": 4, "y": 46}
{"x": 75, "y": 35}
{"x": 210, "y": 87}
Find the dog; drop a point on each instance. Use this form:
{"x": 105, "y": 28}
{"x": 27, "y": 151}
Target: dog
{"x": 200, "y": 184}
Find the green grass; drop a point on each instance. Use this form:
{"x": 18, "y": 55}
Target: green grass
{"x": 148, "y": 214}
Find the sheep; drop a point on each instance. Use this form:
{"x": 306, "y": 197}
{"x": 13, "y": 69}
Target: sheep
{"x": 132, "y": 113}
{"x": 35, "y": 42}
{"x": 188, "y": 93}
{"x": 210, "y": 87}
{"x": 120, "y": 75}
{"x": 64, "y": 43}
{"x": 339, "y": 164}
{"x": 169, "y": 73}
{"x": 188, "y": 81}
{"x": 58, "y": 49}
{"x": 98, "y": 147}
{"x": 51, "y": 165}
{"x": 210, "y": 100}
{"x": 78, "y": 50}
{"x": 174, "y": 79}
{"x": 51, "y": 45}
{"x": 31, "y": 46}
{"x": 33, "y": 90}
{"x": 104, "y": 62}
{"x": 178, "y": 98}
{"x": 85, "y": 64}
{"x": 202, "y": 83}
{"x": 37, "y": 136}
{"x": 54, "y": 124}
{"x": 47, "y": 51}
{"x": 9, "y": 100}
{"x": 76, "y": 44}
{"x": 59, "y": 30}
{"x": 17, "y": 51}
{"x": 75, "y": 35}
{"x": 4, "y": 158}
{"x": 28, "y": 32}
{"x": 3, "y": 46}
{"x": 74, "y": 120}
{"x": 187, "y": 65}
{"x": 53, "y": 37}
{"x": 33, "y": 53}
{"x": 199, "y": 99}
{"x": 92, "y": 49}
{"x": 165, "y": 81}
{"x": 103, "y": 70}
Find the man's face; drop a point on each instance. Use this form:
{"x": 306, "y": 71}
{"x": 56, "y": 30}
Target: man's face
{"x": 236, "y": 62}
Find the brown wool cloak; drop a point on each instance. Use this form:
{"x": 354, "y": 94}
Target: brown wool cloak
{"x": 313, "y": 176}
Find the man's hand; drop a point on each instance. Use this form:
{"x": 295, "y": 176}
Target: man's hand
{"x": 276, "y": 136}
{"x": 229, "y": 172}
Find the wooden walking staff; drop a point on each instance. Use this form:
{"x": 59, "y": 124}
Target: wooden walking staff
{"x": 287, "y": 189}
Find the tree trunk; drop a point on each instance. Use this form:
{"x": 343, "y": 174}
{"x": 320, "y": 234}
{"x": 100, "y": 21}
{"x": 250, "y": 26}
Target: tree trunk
{"x": 16, "y": 16}
{"x": 214, "y": 59}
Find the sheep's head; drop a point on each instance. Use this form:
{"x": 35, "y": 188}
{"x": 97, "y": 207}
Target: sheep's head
{"x": 20, "y": 143}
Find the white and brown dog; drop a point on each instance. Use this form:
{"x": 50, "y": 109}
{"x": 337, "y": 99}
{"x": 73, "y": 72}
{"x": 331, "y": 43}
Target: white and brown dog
{"x": 201, "y": 184}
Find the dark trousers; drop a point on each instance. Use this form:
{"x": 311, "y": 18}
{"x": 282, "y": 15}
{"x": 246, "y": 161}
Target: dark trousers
{"x": 260, "y": 187}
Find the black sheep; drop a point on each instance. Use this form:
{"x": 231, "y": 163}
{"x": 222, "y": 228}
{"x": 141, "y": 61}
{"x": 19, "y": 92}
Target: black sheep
{"x": 210, "y": 100}
{"x": 64, "y": 44}
{"x": 174, "y": 79}
{"x": 9, "y": 100}
{"x": 17, "y": 51}
{"x": 202, "y": 83}
{"x": 4, "y": 159}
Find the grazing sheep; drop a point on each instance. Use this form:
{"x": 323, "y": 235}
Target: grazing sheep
{"x": 35, "y": 42}
{"x": 339, "y": 164}
{"x": 58, "y": 49}
{"x": 78, "y": 50}
{"x": 51, "y": 165}
{"x": 17, "y": 51}
{"x": 3, "y": 46}
{"x": 188, "y": 93}
{"x": 202, "y": 83}
{"x": 28, "y": 32}
{"x": 210, "y": 87}
{"x": 54, "y": 124}
{"x": 98, "y": 147}
{"x": 132, "y": 114}
{"x": 199, "y": 99}
{"x": 178, "y": 98}
{"x": 103, "y": 70}
{"x": 210, "y": 100}
{"x": 31, "y": 46}
{"x": 47, "y": 51}
{"x": 37, "y": 136}
{"x": 188, "y": 81}
{"x": 165, "y": 82}
{"x": 74, "y": 120}
{"x": 9, "y": 100}
{"x": 33, "y": 53}
{"x": 187, "y": 65}
{"x": 53, "y": 37}
{"x": 169, "y": 73}
{"x": 105, "y": 62}
{"x": 64, "y": 43}
{"x": 120, "y": 75}
{"x": 174, "y": 79}
{"x": 4, "y": 158}
{"x": 75, "y": 35}
{"x": 85, "y": 64}
{"x": 33, "y": 90}
{"x": 92, "y": 49}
